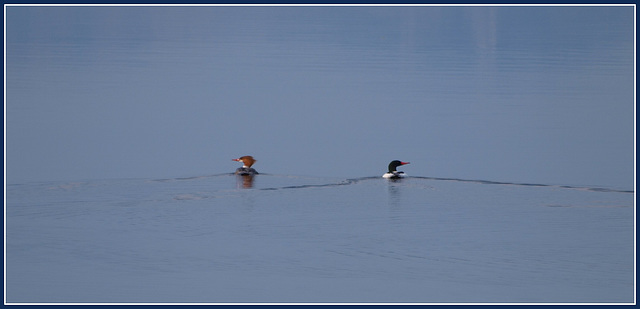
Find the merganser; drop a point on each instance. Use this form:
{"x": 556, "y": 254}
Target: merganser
{"x": 246, "y": 169}
{"x": 393, "y": 174}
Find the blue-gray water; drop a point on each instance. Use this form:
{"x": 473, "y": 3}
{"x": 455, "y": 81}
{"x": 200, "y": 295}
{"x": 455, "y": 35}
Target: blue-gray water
{"x": 309, "y": 239}
{"x": 121, "y": 123}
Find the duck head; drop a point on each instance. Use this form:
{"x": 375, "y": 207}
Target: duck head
{"x": 394, "y": 164}
{"x": 246, "y": 160}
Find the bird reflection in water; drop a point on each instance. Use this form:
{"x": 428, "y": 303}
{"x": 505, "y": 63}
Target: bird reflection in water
{"x": 245, "y": 181}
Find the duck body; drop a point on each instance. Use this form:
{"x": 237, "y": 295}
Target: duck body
{"x": 244, "y": 171}
{"x": 393, "y": 173}
{"x": 246, "y": 168}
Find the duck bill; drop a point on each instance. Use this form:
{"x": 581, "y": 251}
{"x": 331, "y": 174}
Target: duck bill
{"x": 237, "y": 160}
{"x": 403, "y": 163}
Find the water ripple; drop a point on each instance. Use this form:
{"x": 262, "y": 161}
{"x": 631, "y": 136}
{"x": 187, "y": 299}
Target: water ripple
{"x": 490, "y": 182}
{"x": 351, "y": 181}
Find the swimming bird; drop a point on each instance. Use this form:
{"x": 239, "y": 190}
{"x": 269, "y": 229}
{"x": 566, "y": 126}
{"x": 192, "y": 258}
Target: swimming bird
{"x": 393, "y": 174}
{"x": 246, "y": 168}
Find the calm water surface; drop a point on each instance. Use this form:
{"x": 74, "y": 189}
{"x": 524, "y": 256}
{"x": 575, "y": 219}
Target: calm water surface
{"x": 521, "y": 94}
{"x": 208, "y": 239}
{"x": 113, "y": 114}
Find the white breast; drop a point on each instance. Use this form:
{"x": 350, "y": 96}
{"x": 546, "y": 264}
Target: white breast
{"x": 394, "y": 175}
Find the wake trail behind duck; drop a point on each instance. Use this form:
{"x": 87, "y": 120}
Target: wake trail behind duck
{"x": 351, "y": 181}
{"x": 490, "y": 182}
